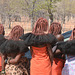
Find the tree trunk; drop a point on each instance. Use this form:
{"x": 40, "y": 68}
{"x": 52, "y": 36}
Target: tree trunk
{"x": 9, "y": 21}
{"x": 50, "y": 11}
{"x": 32, "y": 22}
{"x": 64, "y": 19}
{"x": 2, "y": 19}
{"x": 50, "y": 15}
{"x": 32, "y": 18}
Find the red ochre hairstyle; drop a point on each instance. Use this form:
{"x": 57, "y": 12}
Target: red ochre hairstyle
{"x": 55, "y": 28}
{"x": 1, "y": 29}
{"x": 40, "y": 26}
{"x": 16, "y": 32}
{"x": 72, "y": 34}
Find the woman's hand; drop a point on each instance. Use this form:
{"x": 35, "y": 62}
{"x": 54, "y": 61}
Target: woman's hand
{"x": 16, "y": 59}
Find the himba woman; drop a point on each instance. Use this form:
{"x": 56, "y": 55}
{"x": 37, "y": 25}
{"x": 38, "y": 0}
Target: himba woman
{"x": 69, "y": 68}
{"x": 2, "y": 39}
{"x": 59, "y": 58}
{"x": 14, "y": 50}
{"x": 40, "y": 43}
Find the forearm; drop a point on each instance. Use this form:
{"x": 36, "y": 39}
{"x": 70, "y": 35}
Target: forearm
{"x": 16, "y": 59}
{"x": 49, "y": 49}
{"x": 51, "y": 56}
{"x": 13, "y": 61}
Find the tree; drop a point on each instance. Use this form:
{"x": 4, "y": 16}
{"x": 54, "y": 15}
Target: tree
{"x": 49, "y": 6}
{"x": 64, "y": 9}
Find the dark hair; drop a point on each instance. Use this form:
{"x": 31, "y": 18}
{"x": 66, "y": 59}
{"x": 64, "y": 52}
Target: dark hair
{"x": 41, "y": 25}
{"x": 13, "y": 46}
{"x": 55, "y": 28}
{"x": 9, "y": 46}
{"x": 16, "y": 32}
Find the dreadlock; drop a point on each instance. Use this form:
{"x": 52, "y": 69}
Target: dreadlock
{"x": 16, "y": 32}
{"x": 1, "y": 29}
{"x": 55, "y": 28}
{"x": 72, "y": 35}
{"x": 41, "y": 25}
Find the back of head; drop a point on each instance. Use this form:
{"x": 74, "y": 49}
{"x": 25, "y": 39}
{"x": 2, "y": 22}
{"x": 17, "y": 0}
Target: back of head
{"x": 60, "y": 37}
{"x": 55, "y": 28}
{"x": 16, "y": 32}
{"x": 40, "y": 27}
{"x": 1, "y": 29}
{"x": 72, "y": 37}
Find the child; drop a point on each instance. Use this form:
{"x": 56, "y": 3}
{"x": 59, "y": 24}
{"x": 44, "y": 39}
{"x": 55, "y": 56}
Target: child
{"x": 59, "y": 58}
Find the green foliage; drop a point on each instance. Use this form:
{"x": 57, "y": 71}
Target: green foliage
{"x": 48, "y": 4}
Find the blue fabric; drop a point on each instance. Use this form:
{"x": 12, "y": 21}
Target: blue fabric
{"x": 28, "y": 54}
{"x": 67, "y": 34}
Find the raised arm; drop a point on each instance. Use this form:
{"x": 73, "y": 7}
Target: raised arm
{"x": 16, "y": 59}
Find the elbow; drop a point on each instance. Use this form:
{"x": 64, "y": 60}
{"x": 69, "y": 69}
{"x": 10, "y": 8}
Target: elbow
{"x": 15, "y": 62}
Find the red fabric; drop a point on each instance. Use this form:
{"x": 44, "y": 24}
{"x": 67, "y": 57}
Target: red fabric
{"x": 57, "y": 66}
{"x": 40, "y": 62}
{"x": 0, "y": 64}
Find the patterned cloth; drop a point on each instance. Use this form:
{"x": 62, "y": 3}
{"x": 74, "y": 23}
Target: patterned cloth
{"x": 69, "y": 68}
{"x": 18, "y": 69}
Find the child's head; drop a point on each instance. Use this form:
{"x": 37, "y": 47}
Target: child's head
{"x": 60, "y": 37}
